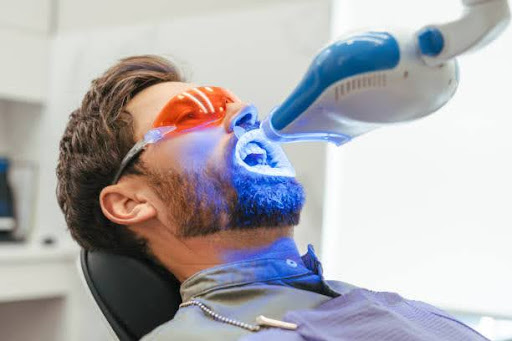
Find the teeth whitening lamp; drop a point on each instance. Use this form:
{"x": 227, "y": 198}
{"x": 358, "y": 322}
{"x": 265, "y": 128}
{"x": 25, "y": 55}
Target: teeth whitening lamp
{"x": 372, "y": 79}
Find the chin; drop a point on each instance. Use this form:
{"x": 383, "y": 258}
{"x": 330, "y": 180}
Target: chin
{"x": 261, "y": 187}
{"x": 265, "y": 196}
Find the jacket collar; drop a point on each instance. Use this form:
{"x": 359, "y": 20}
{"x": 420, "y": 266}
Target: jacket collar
{"x": 281, "y": 260}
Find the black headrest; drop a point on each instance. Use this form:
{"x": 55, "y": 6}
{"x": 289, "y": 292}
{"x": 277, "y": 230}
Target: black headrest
{"x": 135, "y": 296}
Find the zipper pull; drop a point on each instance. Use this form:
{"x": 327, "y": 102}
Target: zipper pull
{"x": 268, "y": 322}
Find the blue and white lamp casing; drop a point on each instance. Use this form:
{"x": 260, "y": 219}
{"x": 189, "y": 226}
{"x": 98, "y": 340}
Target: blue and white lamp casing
{"x": 365, "y": 81}
{"x": 481, "y": 22}
{"x": 358, "y": 84}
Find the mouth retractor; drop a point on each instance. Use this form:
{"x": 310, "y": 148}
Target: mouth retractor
{"x": 258, "y": 155}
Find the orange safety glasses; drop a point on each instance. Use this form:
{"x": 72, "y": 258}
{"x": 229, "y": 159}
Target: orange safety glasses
{"x": 193, "y": 109}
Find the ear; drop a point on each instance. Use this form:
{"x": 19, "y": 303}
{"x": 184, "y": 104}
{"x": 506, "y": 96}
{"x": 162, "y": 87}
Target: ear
{"x": 125, "y": 206}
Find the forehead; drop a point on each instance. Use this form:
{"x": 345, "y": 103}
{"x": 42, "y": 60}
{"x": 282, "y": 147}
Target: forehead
{"x": 146, "y": 105}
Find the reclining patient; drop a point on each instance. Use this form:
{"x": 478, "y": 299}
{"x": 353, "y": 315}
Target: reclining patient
{"x": 216, "y": 205}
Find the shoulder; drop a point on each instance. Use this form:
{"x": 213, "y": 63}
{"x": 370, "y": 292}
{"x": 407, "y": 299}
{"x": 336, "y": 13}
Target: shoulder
{"x": 386, "y": 313}
{"x": 341, "y": 287}
{"x": 360, "y": 314}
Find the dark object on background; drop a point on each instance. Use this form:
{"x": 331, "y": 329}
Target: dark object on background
{"x": 7, "y": 220}
{"x": 49, "y": 241}
{"x": 135, "y": 296}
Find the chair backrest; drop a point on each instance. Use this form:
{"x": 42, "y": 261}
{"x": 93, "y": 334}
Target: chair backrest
{"x": 134, "y": 296}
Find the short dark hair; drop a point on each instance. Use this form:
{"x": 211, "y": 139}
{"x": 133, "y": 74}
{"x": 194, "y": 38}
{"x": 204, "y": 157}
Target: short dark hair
{"x": 97, "y": 137}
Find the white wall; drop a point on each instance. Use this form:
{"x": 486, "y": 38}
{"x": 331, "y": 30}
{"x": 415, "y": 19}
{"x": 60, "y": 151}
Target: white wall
{"x": 3, "y": 129}
{"x": 24, "y": 28}
{"x": 76, "y": 15}
{"x": 423, "y": 209}
{"x": 19, "y": 127}
{"x": 30, "y": 16}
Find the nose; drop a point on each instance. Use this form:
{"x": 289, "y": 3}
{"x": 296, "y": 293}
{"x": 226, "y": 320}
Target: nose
{"x": 239, "y": 113}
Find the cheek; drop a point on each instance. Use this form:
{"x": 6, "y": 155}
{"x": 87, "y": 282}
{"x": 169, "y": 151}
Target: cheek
{"x": 196, "y": 149}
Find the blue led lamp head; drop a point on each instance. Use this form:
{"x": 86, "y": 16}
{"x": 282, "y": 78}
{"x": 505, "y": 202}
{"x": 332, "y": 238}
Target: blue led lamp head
{"x": 358, "y": 84}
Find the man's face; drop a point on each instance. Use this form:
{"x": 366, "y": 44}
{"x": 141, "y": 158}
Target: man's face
{"x": 200, "y": 177}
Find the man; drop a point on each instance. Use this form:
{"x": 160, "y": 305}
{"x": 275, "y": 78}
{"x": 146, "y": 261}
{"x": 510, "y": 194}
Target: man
{"x": 161, "y": 169}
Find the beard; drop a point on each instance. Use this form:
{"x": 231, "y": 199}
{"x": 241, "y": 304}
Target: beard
{"x": 205, "y": 201}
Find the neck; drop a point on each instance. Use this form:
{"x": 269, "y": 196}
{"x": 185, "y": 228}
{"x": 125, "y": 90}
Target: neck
{"x": 185, "y": 257}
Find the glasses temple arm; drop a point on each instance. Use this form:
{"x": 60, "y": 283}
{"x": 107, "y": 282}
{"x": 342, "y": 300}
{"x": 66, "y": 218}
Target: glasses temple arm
{"x": 132, "y": 154}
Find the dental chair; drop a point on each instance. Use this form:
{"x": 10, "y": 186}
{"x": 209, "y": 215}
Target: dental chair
{"x": 134, "y": 296}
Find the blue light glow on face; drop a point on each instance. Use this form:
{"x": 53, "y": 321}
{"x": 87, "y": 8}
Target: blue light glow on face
{"x": 223, "y": 194}
{"x": 284, "y": 247}
{"x": 264, "y": 200}
{"x": 268, "y": 197}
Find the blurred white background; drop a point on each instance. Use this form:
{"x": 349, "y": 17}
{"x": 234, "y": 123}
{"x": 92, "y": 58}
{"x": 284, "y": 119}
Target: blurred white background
{"x": 420, "y": 209}
{"x": 423, "y": 209}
